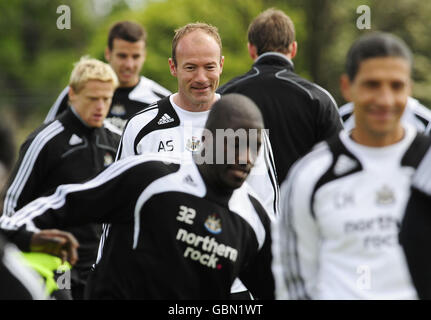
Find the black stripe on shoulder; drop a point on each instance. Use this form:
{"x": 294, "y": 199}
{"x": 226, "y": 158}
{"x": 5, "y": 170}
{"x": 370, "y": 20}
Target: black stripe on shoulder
{"x": 346, "y": 116}
{"x": 424, "y": 120}
{"x": 165, "y": 107}
{"x": 416, "y": 151}
{"x": 344, "y": 163}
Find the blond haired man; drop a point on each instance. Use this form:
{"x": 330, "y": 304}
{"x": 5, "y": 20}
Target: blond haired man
{"x": 126, "y": 54}
{"x": 74, "y": 147}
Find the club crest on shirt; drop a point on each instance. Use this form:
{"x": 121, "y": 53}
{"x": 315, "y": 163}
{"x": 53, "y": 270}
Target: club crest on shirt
{"x": 213, "y": 224}
{"x": 107, "y": 159}
{"x": 118, "y": 110}
{"x": 193, "y": 144}
{"x": 385, "y": 196}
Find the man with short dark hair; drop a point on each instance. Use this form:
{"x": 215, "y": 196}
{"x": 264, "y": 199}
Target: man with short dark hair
{"x": 297, "y": 113}
{"x": 179, "y": 229}
{"x": 126, "y": 53}
{"x": 342, "y": 203}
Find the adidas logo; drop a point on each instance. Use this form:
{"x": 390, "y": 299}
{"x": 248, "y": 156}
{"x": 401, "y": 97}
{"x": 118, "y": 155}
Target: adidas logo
{"x": 165, "y": 119}
{"x": 74, "y": 140}
{"x": 344, "y": 164}
{"x": 188, "y": 179}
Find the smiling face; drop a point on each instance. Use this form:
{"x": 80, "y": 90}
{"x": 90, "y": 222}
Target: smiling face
{"x": 127, "y": 59}
{"x": 198, "y": 67}
{"x": 379, "y": 92}
{"x": 92, "y": 102}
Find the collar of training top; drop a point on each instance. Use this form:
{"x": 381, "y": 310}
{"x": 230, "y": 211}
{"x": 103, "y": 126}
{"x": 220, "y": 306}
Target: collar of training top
{"x": 274, "y": 58}
{"x": 72, "y": 118}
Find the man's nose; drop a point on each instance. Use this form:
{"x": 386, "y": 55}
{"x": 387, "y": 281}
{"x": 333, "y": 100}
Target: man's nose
{"x": 386, "y": 97}
{"x": 201, "y": 75}
{"x": 129, "y": 62}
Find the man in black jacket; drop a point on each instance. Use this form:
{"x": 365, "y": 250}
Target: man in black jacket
{"x": 180, "y": 229}
{"x": 73, "y": 148}
{"x": 297, "y": 113}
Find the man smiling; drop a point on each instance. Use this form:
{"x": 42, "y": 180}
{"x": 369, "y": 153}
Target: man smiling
{"x": 342, "y": 204}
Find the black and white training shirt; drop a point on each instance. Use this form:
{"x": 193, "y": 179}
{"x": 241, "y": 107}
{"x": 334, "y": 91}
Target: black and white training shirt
{"x": 171, "y": 235}
{"x": 415, "y": 114}
{"x": 125, "y": 102}
{"x": 341, "y": 210}
{"x": 167, "y": 129}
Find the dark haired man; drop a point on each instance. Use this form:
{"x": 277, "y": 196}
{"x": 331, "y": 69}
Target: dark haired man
{"x": 342, "y": 204}
{"x": 126, "y": 53}
{"x": 297, "y": 113}
{"x": 179, "y": 229}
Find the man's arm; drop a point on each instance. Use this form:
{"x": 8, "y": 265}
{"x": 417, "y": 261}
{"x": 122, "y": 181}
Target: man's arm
{"x": 60, "y": 104}
{"x": 109, "y": 197}
{"x": 30, "y": 170}
{"x": 296, "y": 234}
{"x": 415, "y": 238}
{"x": 263, "y": 179}
{"x": 328, "y": 119}
{"x": 257, "y": 275}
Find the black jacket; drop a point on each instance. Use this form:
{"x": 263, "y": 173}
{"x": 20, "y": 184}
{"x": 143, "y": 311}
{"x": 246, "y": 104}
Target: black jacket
{"x": 297, "y": 113}
{"x": 61, "y": 152}
{"x": 171, "y": 236}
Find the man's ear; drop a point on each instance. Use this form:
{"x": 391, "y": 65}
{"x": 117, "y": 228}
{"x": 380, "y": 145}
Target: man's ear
{"x": 345, "y": 87}
{"x": 107, "y": 54}
{"x": 252, "y": 51}
{"x": 293, "y": 49}
{"x": 172, "y": 67}
{"x": 71, "y": 94}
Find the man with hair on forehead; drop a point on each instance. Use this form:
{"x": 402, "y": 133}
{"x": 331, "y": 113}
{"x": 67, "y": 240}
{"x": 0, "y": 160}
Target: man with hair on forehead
{"x": 74, "y": 147}
{"x": 179, "y": 229}
{"x": 343, "y": 203}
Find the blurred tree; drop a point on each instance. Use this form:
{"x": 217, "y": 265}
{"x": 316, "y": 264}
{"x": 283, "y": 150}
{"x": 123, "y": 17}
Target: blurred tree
{"x": 36, "y": 58}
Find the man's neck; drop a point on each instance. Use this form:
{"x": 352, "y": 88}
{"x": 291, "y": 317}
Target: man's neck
{"x": 285, "y": 55}
{"x": 377, "y": 140}
{"x": 130, "y": 84}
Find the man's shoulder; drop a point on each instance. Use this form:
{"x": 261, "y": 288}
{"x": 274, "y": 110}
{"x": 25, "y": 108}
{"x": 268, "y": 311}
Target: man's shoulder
{"x": 239, "y": 80}
{"x": 159, "y": 115}
{"x": 315, "y": 162}
{"x": 311, "y": 89}
{"x": 46, "y": 132}
{"x": 148, "y": 91}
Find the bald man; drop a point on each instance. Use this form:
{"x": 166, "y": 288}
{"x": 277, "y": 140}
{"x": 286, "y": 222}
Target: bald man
{"x": 196, "y": 215}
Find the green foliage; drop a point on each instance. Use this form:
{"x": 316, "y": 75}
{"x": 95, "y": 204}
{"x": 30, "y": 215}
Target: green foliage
{"x": 36, "y": 58}
{"x": 161, "y": 19}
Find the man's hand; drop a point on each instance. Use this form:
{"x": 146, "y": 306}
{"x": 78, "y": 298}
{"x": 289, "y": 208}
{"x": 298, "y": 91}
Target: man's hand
{"x": 58, "y": 243}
